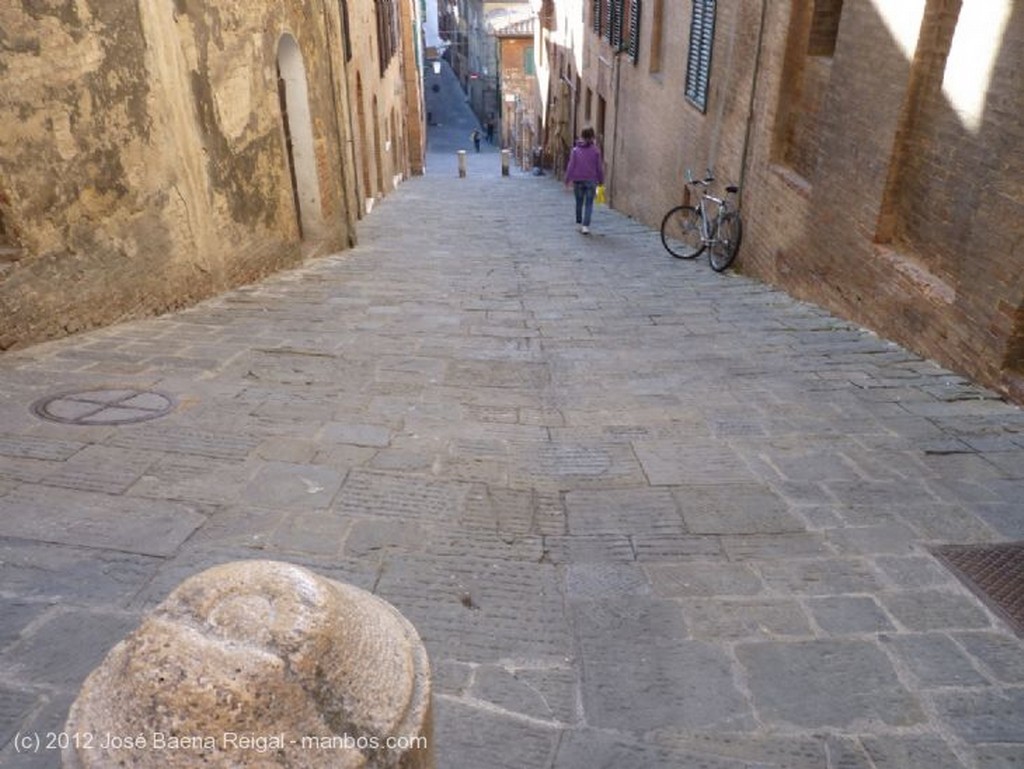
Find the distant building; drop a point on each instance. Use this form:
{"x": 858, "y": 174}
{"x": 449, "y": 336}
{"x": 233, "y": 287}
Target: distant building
{"x": 469, "y": 26}
{"x": 520, "y": 128}
{"x": 152, "y": 154}
{"x": 878, "y": 147}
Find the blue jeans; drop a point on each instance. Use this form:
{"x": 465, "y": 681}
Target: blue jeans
{"x": 584, "y": 201}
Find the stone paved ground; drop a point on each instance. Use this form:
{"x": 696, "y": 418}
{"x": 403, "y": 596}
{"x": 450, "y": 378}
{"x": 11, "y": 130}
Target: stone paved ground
{"x": 643, "y": 515}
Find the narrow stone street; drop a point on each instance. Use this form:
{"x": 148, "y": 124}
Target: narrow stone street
{"x": 643, "y": 515}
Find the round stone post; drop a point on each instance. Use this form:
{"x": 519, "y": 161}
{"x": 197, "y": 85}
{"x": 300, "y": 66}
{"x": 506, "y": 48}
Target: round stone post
{"x": 462, "y": 164}
{"x": 259, "y": 664}
{"x": 505, "y": 155}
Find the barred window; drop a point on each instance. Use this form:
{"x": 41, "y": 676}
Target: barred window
{"x": 698, "y": 67}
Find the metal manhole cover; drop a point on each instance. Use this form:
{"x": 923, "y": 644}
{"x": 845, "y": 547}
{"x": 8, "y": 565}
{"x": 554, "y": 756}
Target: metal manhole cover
{"x": 995, "y": 573}
{"x": 104, "y": 407}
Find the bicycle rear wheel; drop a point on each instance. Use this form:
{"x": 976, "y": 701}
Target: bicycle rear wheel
{"x": 727, "y": 243}
{"x": 680, "y": 232}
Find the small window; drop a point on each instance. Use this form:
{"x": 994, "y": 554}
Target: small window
{"x": 698, "y": 67}
{"x": 824, "y": 27}
{"x": 528, "y": 60}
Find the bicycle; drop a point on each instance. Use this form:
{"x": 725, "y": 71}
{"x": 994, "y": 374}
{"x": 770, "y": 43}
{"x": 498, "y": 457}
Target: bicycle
{"x": 687, "y": 230}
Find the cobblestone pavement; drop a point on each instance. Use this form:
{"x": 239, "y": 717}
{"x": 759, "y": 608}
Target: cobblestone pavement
{"x": 643, "y": 515}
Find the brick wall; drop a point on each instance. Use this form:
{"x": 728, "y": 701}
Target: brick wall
{"x": 898, "y": 227}
{"x": 867, "y": 189}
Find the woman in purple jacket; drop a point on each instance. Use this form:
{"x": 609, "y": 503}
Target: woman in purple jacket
{"x": 585, "y": 171}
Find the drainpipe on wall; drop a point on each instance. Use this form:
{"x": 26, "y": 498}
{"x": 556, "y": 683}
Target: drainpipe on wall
{"x": 610, "y": 186}
{"x": 750, "y": 105}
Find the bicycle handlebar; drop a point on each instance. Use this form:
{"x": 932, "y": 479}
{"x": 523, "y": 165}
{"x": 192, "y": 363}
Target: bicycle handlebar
{"x": 706, "y": 181}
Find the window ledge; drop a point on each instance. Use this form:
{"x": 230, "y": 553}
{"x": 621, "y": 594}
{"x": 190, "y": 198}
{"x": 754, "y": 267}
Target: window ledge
{"x": 793, "y": 180}
{"x": 930, "y": 285}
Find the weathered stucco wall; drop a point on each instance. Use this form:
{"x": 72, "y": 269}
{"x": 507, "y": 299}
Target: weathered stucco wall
{"x": 143, "y": 161}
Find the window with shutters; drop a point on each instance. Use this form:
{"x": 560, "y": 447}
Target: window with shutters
{"x": 633, "y": 46}
{"x": 617, "y": 22}
{"x": 698, "y": 65}
{"x": 615, "y": 31}
{"x": 387, "y": 32}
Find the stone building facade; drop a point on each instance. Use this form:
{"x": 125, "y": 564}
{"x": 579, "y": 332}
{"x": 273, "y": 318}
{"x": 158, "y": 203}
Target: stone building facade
{"x": 152, "y": 154}
{"x": 878, "y": 146}
{"x": 518, "y": 87}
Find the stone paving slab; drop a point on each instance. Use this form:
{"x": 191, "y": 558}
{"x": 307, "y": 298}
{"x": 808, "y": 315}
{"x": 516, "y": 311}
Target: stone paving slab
{"x": 643, "y": 514}
{"x": 146, "y": 527}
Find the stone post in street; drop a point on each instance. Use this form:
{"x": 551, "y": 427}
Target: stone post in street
{"x": 462, "y": 164}
{"x": 259, "y": 664}
{"x": 505, "y": 156}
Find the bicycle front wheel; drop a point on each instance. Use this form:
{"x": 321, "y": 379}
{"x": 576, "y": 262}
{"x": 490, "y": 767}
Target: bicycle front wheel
{"x": 680, "y": 232}
{"x": 727, "y": 241}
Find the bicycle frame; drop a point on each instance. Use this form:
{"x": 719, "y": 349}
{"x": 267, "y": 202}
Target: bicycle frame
{"x": 707, "y": 231}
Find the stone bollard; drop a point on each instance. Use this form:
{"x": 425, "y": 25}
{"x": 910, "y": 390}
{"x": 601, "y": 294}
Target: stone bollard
{"x": 505, "y": 157}
{"x": 259, "y": 664}
{"x": 462, "y": 164}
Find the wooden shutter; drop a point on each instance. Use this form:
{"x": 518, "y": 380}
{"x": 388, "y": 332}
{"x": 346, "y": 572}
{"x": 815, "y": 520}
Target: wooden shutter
{"x": 702, "y": 37}
{"x": 595, "y": 10}
{"x": 618, "y": 14}
{"x": 634, "y": 30}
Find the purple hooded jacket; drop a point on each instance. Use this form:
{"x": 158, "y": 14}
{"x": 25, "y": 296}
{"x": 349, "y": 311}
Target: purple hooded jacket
{"x": 585, "y": 163}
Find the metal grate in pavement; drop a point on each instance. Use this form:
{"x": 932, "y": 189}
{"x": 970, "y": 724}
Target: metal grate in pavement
{"x": 104, "y": 407}
{"x": 995, "y": 573}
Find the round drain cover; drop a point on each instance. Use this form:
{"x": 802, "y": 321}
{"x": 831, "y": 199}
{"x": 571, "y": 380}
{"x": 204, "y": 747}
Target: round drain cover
{"x": 104, "y": 407}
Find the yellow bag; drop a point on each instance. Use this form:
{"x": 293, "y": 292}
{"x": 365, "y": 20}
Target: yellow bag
{"x": 599, "y": 195}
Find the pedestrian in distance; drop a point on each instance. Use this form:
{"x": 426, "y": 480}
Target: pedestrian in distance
{"x": 585, "y": 171}
{"x": 475, "y": 136}
{"x": 490, "y": 132}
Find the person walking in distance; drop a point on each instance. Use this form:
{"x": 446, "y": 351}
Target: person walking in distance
{"x": 585, "y": 171}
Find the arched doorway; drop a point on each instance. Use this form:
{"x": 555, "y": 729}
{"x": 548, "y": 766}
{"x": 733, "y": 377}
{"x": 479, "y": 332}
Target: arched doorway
{"x": 293, "y": 92}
